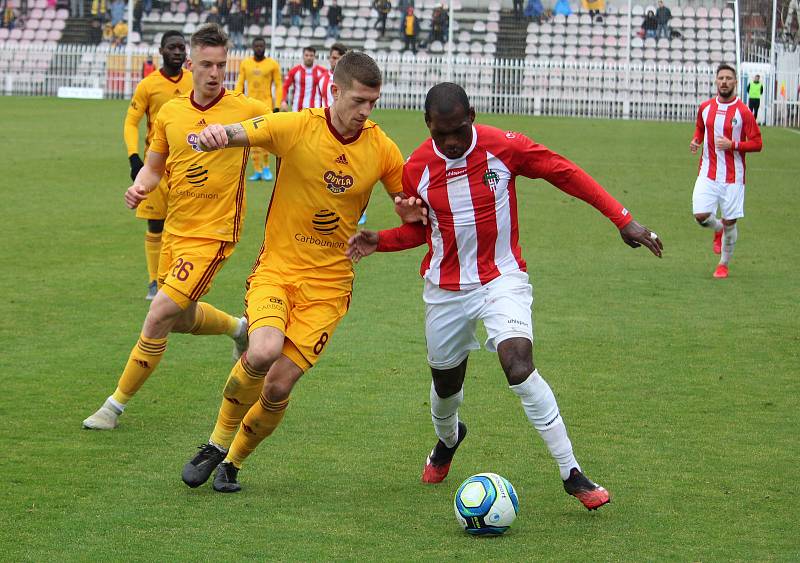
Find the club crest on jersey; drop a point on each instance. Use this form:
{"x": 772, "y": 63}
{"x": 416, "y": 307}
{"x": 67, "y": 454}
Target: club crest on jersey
{"x": 194, "y": 141}
{"x": 734, "y": 121}
{"x": 491, "y": 179}
{"x": 337, "y": 183}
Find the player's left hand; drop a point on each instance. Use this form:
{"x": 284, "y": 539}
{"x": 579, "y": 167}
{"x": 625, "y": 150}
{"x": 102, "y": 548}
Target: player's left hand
{"x": 212, "y": 138}
{"x": 135, "y": 195}
{"x": 723, "y": 143}
{"x": 411, "y": 210}
{"x": 636, "y": 235}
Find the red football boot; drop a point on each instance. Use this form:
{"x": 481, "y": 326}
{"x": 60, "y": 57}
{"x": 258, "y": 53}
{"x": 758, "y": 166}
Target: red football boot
{"x": 438, "y": 463}
{"x": 721, "y": 271}
{"x": 591, "y": 495}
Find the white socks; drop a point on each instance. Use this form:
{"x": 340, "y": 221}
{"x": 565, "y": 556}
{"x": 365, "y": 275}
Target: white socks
{"x": 444, "y": 414}
{"x": 115, "y": 406}
{"x": 712, "y": 222}
{"x": 729, "y": 236}
{"x": 541, "y": 408}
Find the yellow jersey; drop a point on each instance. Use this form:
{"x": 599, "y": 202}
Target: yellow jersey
{"x": 206, "y": 189}
{"x": 151, "y": 93}
{"x": 322, "y": 187}
{"x": 261, "y": 76}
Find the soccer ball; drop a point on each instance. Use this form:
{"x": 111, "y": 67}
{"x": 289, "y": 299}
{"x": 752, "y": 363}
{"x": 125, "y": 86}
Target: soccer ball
{"x": 486, "y": 504}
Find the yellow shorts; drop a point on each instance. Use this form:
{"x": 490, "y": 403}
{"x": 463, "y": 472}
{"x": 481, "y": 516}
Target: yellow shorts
{"x": 187, "y": 266}
{"x": 155, "y": 206}
{"x": 305, "y": 311}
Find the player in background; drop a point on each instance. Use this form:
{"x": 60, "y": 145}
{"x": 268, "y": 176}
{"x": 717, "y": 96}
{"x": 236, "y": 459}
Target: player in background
{"x": 474, "y": 270}
{"x": 302, "y": 281}
{"x": 261, "y": 74}
{"x": 204, "y": 220}
{"x": 302, "y": 83}
{"x": 725, "y": 130}
{"x": 151, "y": 93}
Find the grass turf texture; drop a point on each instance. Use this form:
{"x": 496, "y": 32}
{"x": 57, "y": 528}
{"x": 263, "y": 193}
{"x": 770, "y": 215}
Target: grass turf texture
{"x": 680, "y": 391}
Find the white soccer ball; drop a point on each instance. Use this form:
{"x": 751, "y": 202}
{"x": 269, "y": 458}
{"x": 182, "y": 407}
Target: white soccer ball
{"x": 486, "y": 504}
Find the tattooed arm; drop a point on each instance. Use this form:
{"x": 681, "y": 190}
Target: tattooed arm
{"x": 215, "y": 137}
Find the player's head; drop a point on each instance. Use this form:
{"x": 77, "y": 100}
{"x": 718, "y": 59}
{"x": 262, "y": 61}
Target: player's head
{"x": 356, "y": 88}
{"x": 337, "y": 52}
{"x": 726, "y": 81}
{"x": 209, "y": 53}
{"x": 259, "y": 47}
{"x": 309, "y": 54}
{"x": 449, "y": 117}
{"x": 757, "y": 78}
{"x": 173, "y": 49}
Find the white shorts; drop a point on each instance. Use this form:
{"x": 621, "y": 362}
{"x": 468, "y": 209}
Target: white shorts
{"x": 710, "y": 194}
{"x": 503, "y": 304}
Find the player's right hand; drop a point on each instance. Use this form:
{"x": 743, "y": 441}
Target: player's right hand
{"x": 135, "y": 195}
{"x": 694, "y": 146}
{"x": 362, "y": 244}
{"x": 212, "y": 138}
{"x": 136, "y": 165}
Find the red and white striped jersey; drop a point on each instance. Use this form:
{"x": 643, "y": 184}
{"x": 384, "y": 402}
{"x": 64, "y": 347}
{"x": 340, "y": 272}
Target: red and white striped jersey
{"x": 472, "y": 232}
{"x": 734, "y": 121}
{"x": 303, "y": 81}
{"x": 324, "y": 85}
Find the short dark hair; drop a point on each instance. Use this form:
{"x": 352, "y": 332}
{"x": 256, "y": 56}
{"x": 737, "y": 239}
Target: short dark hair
{"x": 259, "y": 38}
{"x": 310, "y": 48}
{"x": 170, "y": 33}
{"x": 209, "y": 35}
{"x": 444, "y": 98}
{"x": 355, "y": 65}
{"x": 339, "y": 48}
{"x": 725, "y": 66}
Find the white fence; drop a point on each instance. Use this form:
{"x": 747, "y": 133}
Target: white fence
{"x": 583, "y": 89}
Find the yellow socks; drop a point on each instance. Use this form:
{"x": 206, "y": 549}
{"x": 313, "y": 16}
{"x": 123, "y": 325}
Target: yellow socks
{"x": 259, "y": 156}
{"x": 210, "y": 320}
{"x": 241, "y": 391}
{"x": 260, "y": 421}
{"x": 143, "y": 360}
{"x": 152, "y": 249}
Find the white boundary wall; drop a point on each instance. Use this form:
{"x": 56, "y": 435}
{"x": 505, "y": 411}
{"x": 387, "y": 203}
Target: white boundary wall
{"x": 585, "y": 89}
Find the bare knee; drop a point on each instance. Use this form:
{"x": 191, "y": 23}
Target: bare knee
{"x": 701, "y": 217}
{"x": 729, "y": 222}
{"x": 281, "y": 379}
{"x": 516, "y": 358}
{"x": 161, "y": 317}
{"x": 261, "y": 357}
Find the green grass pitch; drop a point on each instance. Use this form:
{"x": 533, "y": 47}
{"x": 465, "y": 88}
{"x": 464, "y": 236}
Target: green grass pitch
{"x": 680, "y": 392}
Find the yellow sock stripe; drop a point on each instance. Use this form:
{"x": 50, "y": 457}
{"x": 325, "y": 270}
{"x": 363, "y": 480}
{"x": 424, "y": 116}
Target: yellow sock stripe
{"x": 151, "y": 237}
{"x": 249, "y": 370}
{"x": 269, "y": 406}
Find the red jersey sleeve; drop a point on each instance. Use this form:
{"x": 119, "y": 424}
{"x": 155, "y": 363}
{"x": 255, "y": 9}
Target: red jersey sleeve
{"x": 699, "y": 126}
{"x": 537, "y": 161}
{"x": 408, "y": 235}
{"x": 752, "y": 135}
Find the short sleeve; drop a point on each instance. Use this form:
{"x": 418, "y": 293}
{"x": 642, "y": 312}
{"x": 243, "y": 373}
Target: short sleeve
{"x": 276, "y": 132}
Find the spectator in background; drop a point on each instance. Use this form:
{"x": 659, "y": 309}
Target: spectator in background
{"x": 99, "y": 8}
{"x": 236, "y": 26}
{"x": 755, "y": 90}
{"x": 314, "y": 6}
{"x": 518, "y": 8}
{"x": 117, "y": 11}
{"x": 95, "y": 32}
{"x": 108, "y": 33}
{"x": 120, "y": 33}
{"x": 76, "y": 8}
{"x": 296, "y": 12}
{"x": 383, "y": 7}
{"x": 9, "y": 16}
{"x": 148, "y": 67}
{"x": 594, "y": 7}
{"x": 410, "y": 30}
{"x": 534, "y": 10}
{"x": 439, "y": 23}
{"x": 650, "y": 24}
{"x": 663, "y": 15}
{"x": 562, "y": 8}
{"x": 213, "y": 16}
{"x": 138, "y": 12}
{"x": 334, "y": 19}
